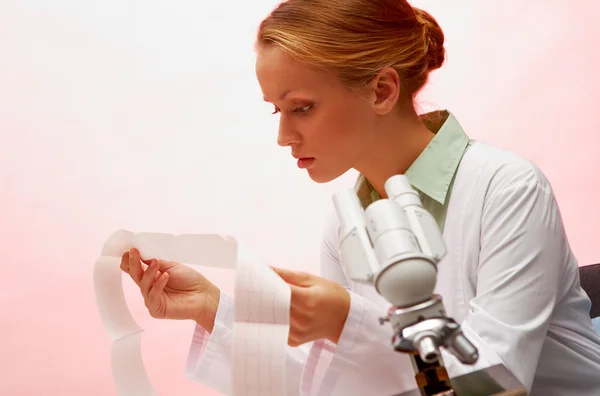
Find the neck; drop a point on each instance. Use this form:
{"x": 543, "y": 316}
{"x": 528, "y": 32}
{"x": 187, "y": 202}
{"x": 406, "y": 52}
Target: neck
{"x": 399, "y": 141}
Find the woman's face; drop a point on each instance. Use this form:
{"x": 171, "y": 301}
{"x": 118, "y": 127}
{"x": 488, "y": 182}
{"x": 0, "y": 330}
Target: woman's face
{"x": 328, "y": 127}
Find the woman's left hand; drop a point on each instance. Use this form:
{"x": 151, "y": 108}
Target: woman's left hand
{"x": 318, "y": 309}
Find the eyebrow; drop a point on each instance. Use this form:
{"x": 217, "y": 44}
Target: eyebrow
{"x": 281, "y": 97}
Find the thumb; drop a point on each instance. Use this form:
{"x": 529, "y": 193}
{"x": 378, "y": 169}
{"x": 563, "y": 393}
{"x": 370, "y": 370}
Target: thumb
{"x": 163, "y": 265}
{"x": 297, "y": 278}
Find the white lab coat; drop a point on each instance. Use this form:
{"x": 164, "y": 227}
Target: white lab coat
{"x": 509, "y": 278}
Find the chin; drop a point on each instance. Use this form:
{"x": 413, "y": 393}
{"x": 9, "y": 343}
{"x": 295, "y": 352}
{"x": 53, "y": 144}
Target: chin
{"x": 318, "y": 176}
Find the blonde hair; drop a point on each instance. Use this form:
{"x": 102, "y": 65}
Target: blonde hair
{"x": 358, "y": 38}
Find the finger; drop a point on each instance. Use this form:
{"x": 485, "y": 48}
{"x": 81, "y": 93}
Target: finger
{"x": 293, "y": 337}
{"x": 296, "y": 338}
{"x": 163, "y": 265}
{"x": 135, "y": 266}
{"x": 125, "y": 262}
{"x": 148, "y": 278}
{"x": 153, "y": 300}
{"x": 298, "y": 293}
{"x": 299, "y": 325}
{"x": 294, "y": 277}
{"x": 293, "y": 342}
{"x": 303, "y": 299}
{"x": 302, "y": 330}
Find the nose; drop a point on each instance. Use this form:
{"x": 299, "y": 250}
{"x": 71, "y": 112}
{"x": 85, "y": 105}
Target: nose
{"x": 287, "y": 134}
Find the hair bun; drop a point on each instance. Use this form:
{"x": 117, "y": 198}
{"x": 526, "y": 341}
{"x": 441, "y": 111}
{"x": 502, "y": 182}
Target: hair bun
{"x": 434, "y": 39}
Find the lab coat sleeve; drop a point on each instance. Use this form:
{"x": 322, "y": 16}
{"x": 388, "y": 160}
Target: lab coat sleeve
{"x": 210, "y": 356}
{"x": 521, "y": 259}
{"x": 363, "y": 362}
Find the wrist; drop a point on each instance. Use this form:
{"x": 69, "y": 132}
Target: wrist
{"x": 208, "y": 309}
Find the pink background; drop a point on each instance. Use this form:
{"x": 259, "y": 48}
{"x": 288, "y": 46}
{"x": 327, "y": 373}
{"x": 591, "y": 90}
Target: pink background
{"x": 147, "y": 116}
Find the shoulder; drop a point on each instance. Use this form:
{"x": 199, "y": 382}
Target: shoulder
{"x": 502, "y": 193}
{"x": 511, "y": 198}
{"x": 496, "y": 170}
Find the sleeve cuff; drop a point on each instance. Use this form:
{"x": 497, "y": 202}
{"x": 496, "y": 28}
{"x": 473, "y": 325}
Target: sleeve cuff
{"x": 347, "y": 342}
{"x": 364, "y": 358}
{"x": 328, "y": 359}
{"x": 209, "y": 358}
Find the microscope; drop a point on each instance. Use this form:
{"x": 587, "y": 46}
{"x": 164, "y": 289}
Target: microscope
{"x": 395, "y": 245}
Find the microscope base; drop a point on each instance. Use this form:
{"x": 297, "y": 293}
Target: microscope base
{"x": 496, "y": 380}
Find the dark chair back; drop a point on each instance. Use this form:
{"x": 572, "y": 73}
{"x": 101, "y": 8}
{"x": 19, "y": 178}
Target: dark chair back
{"x": 590, "y": 282}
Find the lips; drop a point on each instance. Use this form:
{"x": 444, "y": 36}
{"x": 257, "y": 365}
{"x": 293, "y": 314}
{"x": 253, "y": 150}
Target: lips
{"x": 305, "y": 162}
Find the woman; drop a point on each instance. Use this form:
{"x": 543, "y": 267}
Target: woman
{"x": 344, "y": 86}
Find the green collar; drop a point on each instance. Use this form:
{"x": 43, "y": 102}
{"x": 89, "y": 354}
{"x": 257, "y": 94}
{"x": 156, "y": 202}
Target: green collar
{"x": 433, "y": 171}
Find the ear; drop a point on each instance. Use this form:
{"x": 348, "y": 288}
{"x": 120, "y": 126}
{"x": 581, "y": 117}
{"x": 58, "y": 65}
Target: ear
{"x": 386, "y": 89}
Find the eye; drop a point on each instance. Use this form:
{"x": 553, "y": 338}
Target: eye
{"x": 303, "y": 109}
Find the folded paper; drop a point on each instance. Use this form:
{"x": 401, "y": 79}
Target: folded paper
{"x": 261, "y": 309}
